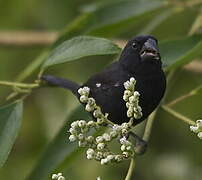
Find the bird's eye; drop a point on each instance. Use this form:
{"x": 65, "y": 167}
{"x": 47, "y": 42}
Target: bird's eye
{"x": 134, "y": 45}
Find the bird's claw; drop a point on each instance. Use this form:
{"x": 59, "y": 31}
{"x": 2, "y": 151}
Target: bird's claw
{"x": 140, "y": 145}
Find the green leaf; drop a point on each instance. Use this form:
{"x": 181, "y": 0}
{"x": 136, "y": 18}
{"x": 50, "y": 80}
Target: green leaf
{"x": 114, "y": 17}
{"x": 176, "y": 53}
{"x": 121, "y": 10}
{"x": 10, "y": 122}
{"x": 171, "y": 28}
{"x": 59, "y": 149}
{"x": 79, "y": 47}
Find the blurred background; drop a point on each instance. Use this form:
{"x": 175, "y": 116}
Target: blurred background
{"x": 174, "y": 152}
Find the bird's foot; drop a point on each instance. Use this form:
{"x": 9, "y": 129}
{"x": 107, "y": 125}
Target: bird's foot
{"x": 140, "y": 144}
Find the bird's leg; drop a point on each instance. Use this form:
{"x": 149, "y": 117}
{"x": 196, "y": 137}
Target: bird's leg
{"x": 140, "y": 144}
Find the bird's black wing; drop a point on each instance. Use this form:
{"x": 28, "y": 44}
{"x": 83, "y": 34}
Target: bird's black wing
{"x": 107, "y": 89}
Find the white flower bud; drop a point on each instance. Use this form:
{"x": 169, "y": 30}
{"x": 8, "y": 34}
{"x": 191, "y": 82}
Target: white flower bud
{"x": 54, "y": 176}
{"x": 89, "y": 156}
{"x": 99, "y": 139}
{"x": 136, "y": 94}
{"x": 97, "y": 113}
{"x": 72, "y": 138}
{"x": 117, "y": 128}
{"x": 132, "y": 99}
{"x": 86, "y": 90}
{"x": 89, "y": 108}
{"x": 132, "y": 80}
{"x": 125, "y": 98}
{"x": 128, "y": 148}
{"x": 90, "y": 139}
{"x": 100, "y": 146}
{"x": 80, "y": 91}
{"x": 128, "y": 104}
{"x": 200, "y": 135}
{"x": 81, "y": 136}
{"x": 110, "y": 157}
{"x": 137, "y": 115}
{"x": 194, "y": 129}
{"x": 139, "y": 109}
{"x": 123, "y": 140}
{"x": 74, "y": 124}
{"x": 90, "y": 151}
{"x": 127, "y": 85}
{"x": 83, "y": 99}
{"x": 118, "y": 158}
{"x": 91, "y": 124}
{"x": 125, "y": 125}
{"x": 127, "y": 93}
{"x": 123, "y": 148}
{"x": 99, "y": 155}
{"x": 106, "y": 137}
{"x": 125, "y": 154}
{"x": 129, "y": 113}
{"x": 104, "y": 161}
{"x": 82, "y": 123}
{"x": 100, "y": 120}
{"x": 199, "y": 123}
{"x": 91, "y": 101}
{"x": 59, "y": 174}
{"x": 124, "y": 131}
{"x": 61, "y": 178}
{"x": 73, "y": 131}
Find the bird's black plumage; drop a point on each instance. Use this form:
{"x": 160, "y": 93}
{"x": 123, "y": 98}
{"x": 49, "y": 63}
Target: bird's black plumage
{"x": 139, "y": 59}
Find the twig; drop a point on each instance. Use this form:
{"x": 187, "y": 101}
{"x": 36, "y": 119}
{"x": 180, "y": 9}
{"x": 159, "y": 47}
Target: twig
{"x": 178, "y": 115}
{"x": 191, "y": 93}
{"x": 179, "y": 99}
{"x": 27, "y": 38}
{"x": 148, "y": 127}
{"x": 130, "y": 169}
{"x": 20, "y": 85}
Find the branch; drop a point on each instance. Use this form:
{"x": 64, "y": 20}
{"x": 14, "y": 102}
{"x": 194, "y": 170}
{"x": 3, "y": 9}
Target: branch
{"x": 148, "y": 127}
{"x": 20, "y": 85}
{"x": 130, "y": 170}
{"x": 191, "y": 93}
{"x": 178, "y": 115}
{"x": 27, "y": 38}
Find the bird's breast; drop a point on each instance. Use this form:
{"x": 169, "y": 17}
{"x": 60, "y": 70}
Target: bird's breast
{"x": 151, "y": 89}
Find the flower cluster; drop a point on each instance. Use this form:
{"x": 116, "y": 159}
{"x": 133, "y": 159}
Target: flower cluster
{"x": 132, "y": 99}
{"x": 197, "y": 128}
{"x": 58, "y": 176}
{"x": 91, "y": 105}
{"x": 98, "y": 147}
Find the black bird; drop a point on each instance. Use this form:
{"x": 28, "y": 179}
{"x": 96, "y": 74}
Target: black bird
{"x": 139, "y": 59}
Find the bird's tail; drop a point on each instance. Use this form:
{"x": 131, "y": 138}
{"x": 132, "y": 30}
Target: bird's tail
{"x": 63, "y": 83}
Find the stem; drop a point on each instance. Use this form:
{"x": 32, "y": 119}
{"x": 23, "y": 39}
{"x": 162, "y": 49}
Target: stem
{"x": 179, "y": 99}
{"x": 191, "y": 93}
{"x": 26, "y": 39}
{"x": 20, "y": 85}
{"x": 149, "y": 126}
{"x": 130, "y": 170}
{"x": 178, "y": 115}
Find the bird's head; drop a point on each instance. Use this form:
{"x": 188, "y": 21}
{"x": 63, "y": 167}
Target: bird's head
{"x": 141, "y": 49}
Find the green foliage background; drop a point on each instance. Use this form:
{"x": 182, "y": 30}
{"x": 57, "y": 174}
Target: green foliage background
{"x": 42, "y": 145}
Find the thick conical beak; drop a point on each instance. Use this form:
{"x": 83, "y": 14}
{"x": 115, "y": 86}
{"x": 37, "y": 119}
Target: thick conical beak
{"x": 150, "y": 50}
